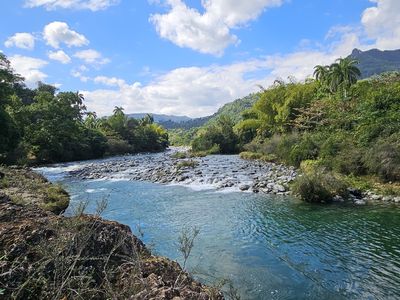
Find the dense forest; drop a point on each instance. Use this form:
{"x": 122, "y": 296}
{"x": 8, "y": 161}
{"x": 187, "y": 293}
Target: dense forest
{"x": 332, "y": 122}
{"x": 43, "y": 125}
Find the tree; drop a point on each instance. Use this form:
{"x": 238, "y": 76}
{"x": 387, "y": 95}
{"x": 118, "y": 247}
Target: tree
{"x": 118, "y": 110}
{"x": 321, "y": 73}
{"x": 340, "y": 75}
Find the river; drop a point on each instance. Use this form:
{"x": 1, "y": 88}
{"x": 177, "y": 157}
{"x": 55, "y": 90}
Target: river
{"x": 269, "y": 246}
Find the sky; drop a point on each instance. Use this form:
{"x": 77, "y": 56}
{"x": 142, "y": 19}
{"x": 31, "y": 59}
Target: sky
{"x": 184, "y": 57}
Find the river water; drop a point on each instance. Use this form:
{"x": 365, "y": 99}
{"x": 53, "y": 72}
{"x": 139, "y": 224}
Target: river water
{"x": 269, "y": 246}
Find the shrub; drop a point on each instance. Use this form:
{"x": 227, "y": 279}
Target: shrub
{"x": 117, "y": 146}
{"x": 383, "y": 159}
{"x": 319, "y": 186}
{"x": 303, "y": 150}
{"x": 349, "y": 161}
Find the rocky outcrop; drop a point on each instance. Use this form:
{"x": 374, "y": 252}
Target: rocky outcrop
{"x": 29, "y": 188}
{"x": 46, "y": 256}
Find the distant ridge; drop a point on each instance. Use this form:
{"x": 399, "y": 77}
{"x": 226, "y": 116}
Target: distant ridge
{"x": 374, "y": 61}
{"x": 160, "y": 118}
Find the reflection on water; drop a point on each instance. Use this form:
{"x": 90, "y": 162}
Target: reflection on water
{"x": 270, "y": 247}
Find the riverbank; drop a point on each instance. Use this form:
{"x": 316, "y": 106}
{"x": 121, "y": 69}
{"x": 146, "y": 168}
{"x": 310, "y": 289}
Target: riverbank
{"x": 45, "y": 255}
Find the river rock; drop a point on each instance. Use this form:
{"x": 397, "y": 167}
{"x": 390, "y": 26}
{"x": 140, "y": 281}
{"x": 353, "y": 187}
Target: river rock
{"x": 244, "y": 187}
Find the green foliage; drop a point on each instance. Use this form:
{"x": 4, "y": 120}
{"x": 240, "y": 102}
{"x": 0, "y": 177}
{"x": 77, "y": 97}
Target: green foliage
{"x": 297, "y": 122}
{"x": 339, "y": 76}
{"x": 43, "y": 126}
{"x": 219, "y": 136}
{"x": 319, "y": 186}
{"x": 383, "y": 158}
{"x": 187, "y": 164}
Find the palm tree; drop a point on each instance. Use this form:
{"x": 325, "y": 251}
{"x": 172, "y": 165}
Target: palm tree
{"x": 118, "y": 110}
{"x": 321, "y": 73}
{"x": 148, "y": 119}
{"x": 342, "y": 74}
{"x": 91, "y": 120}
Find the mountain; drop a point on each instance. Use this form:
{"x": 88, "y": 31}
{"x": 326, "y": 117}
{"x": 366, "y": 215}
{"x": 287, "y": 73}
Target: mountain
{"x": 232, "y": 109}
{"x": 160, "y": 118}
{"x": 374, "y": 61}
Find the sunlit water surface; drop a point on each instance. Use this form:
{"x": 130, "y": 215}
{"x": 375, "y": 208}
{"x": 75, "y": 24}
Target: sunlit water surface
{"x": 270, "y": 247}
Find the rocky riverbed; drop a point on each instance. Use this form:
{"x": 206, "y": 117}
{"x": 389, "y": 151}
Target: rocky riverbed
{"x": 223, "y": 172}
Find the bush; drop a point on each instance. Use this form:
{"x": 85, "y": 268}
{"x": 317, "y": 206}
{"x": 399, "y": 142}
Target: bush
{"x": 319, "y": 186}
{"x": 349, "y": 161}
{"x": 303, "y": 150}
{"x": 383, "y": 159}
{"x": 219, "y": 135}
{"x": 117, "y": 146}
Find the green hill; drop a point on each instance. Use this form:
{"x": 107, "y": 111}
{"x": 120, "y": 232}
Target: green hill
{"x": 374, "y": 61}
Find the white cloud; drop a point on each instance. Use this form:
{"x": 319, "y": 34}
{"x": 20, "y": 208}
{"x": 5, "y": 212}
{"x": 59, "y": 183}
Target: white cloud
{"x": 21, "y": 40}
{"x": 60, "y": 56}
{"x": 382, "y": 23}
{"x": 200, "y": 91}
{"x": 208, "y": 32}
{"x": 29, "y": 68}
{"x": 56, "y": 33}
{"x": 78, "y": 74}
{"x": 109, "y": 81}
{"x": 91, "y": 57}
{"x": 93, "y": 5}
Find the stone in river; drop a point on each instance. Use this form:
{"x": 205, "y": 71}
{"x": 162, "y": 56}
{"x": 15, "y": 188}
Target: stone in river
{"x": 244, "y": 187}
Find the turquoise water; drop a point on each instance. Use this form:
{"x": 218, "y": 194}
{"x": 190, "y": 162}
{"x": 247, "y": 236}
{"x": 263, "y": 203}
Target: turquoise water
{"x": 270, "y": 247}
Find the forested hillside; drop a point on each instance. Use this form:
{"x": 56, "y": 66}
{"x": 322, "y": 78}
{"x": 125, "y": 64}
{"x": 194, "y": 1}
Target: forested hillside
{"x": 184, "y": 133}
{"x": 43, "y": 125}
{"x": 375, "y": 62}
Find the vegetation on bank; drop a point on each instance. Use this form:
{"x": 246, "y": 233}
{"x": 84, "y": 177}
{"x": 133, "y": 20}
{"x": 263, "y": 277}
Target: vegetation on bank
{"x": 43, "y": 125}
{"x": 25, "y": 187}
{"x": 347, "y": 129}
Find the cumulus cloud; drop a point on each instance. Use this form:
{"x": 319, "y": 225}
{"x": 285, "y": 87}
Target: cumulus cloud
{"x": 80, "y": 75}
{"x": 93, "y": 5}
{"x": 208, "y": 32}
{"x": 109, "y": 81}
{"x": 57, "y": 33}
{"x": 59, "y": 56}
{"x": 211, "y": 87}
{"x": 200, "y": 91}
{"x": 21, "y": 40}
{"x": 29, "y": 68}
{"x": 91, "y": 57}
{"x": 382, "y": 23}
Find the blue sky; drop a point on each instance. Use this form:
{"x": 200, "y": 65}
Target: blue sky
{"x": 184, "y": 57}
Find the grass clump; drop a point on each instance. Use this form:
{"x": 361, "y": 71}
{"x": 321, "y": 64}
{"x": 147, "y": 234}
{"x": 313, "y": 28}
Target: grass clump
{"x": 180, "y": 155}
{"x": 57, "y": 199}
{"x": 187, "y": 164}
{"x": 257, "y": 156}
